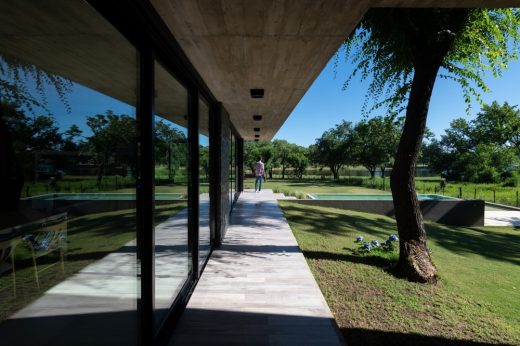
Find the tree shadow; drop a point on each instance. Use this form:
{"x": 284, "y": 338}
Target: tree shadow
{"x": 491, "y": 244}
{"x": 488, "y": 243}
{"x": 371, "y": 260}
{"x": 339, "y": 224}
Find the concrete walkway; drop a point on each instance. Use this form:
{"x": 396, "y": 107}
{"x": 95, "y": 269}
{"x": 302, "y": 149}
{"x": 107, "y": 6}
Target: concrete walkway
{"x": 509, "y": 218}
{"x": 257, "y": 289}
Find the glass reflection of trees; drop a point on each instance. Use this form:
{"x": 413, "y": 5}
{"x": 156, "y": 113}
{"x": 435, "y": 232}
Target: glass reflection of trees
{"x": 171, "y": 152}
{"x": 55, "y": 145}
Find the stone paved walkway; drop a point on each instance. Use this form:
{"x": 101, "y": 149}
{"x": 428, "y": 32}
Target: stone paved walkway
{"x": 257, "y": 288}
{"x": 502, "y": 218}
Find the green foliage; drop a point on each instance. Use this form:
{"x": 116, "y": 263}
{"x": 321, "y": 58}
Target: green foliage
{"x": 298, "y": 159}
{"x": 29, "y": 135}
{"x": 171, "y": 149}
{"x": 335, "y": 147}
{"x": 483, "y": 150}
{"x": 14, "y": 78}
{"x": 385, "y": 47}
{"x": 278, "y": 153}
{"x": 376, "y": 141}
{"x": 113, "y": 139}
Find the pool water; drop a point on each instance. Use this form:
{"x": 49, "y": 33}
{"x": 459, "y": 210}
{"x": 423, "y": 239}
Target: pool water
{"x": 359, "y": 197}
{"x": 103, "y": 196}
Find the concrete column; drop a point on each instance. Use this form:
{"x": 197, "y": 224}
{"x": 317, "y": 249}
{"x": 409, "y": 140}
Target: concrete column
{"x": 221, "y": 172}
{"x": 240, "y": 164}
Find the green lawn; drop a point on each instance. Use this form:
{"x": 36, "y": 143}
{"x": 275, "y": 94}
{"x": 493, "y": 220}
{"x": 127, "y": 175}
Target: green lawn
{"x": 477, "y": 298}
{"x": 299, "y": 188}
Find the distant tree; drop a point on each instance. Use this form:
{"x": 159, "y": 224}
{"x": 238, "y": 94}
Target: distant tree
{"x": 403, "y": 51}
{"x": 458, "y": 137}
{"x": 335, "y": 148}
{"x": 486, "y": 163}
{"x": 203, "y": 161}
{"x": 251, "y": 153}
{"x": 282, "y": 149}
{"x": 265, "y": 149}
{"x": 171, "y": 149}
{"x": 499, "y": 124}
{"x": 483, "y": 150}
{"x": 69, "y": 138}
{"x": 28, "y": 135}
{"x": 114, "y": 138}
{"x": 376, "y": 142}
{"x": 298, "y": 160}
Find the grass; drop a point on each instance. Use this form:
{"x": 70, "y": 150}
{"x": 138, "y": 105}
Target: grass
{"x": 425, "y": 185}
{"x": 299, "y": 188}
{"x": 477, "y": 298}
{"x": 89, "y": 238}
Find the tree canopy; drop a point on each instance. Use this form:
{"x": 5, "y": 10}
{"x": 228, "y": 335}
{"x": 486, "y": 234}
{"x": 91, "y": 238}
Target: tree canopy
{"x": 335, "y": 148}
{"x": 403, "y": 50}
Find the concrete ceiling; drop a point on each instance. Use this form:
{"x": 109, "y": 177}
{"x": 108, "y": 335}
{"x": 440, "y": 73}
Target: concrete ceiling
{"x": 70, "y": 39}
{"x": 280, "y": 46}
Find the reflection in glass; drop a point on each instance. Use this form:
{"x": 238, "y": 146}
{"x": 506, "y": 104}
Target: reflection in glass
{"x": 232, "y": 173}
{"x": 67, "y": 176}
{"x": 204, "y": 199}
{"x": 172, "y": 258}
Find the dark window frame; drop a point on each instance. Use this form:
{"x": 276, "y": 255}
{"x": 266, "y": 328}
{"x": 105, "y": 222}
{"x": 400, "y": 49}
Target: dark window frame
{"x": 138, "y": 21}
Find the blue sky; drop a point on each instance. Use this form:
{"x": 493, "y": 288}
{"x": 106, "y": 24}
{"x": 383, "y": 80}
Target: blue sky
{"x": 326, "y": 104}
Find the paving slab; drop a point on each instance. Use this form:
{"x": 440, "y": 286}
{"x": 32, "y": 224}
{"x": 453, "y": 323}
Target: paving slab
{"x": 257, "y": 288}
{"x": 502, "y": 218}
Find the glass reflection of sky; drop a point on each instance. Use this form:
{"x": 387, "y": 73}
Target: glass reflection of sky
{"x": 86, "y": 102}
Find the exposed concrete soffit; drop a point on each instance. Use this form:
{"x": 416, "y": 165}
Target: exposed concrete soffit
{"x": 279, "y": 46}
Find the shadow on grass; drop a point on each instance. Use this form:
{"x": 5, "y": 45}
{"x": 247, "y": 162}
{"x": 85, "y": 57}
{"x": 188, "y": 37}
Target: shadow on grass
{"x": 358, "y": 336}
{"x": 338, "y": 223}
{"x": 491, "y": 244}
{"x": 496, "y": 245}
{"x": 372, "y": 260}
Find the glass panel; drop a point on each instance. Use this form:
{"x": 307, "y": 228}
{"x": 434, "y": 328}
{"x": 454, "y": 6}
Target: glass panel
{"x": 68, "y": 269}
{"x": 172, "y": 257}
{"x": 231, "y": 171}
{"x": 204, "y": 202}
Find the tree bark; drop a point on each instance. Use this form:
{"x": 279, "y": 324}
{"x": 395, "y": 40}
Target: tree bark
{"x": 414, "y": 258}
{"x": 11, "y": 175}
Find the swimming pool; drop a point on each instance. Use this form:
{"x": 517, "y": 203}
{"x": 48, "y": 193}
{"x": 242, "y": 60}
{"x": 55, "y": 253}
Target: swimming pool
{"x": 102, "y": 196}
{"x": 362, "y": 197}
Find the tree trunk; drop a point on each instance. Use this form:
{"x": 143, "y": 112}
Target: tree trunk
{"x": 335, "y": 172}
{"x": 11, "y": 175}
{"x": 382, "y": 171}
{"x": 283, "y": 172}
{"x": 414, "y": 258}
{"x": 372, "y": 172}
{"x": 270, "y": 172}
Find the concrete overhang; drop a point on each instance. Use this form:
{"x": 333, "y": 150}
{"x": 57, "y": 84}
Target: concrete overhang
{"x": 277, "y": 45}
{"x": 236, "y": 45}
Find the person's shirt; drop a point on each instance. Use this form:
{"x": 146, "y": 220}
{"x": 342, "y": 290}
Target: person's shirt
{"x": 259, "y": 168}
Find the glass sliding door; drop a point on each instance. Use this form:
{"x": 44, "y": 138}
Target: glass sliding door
{"x": 172, "y": 173}
{"x": 68, "y": 268}
{"x": 204, "y": 183}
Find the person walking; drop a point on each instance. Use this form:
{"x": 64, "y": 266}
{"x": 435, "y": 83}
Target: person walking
{"x": 259, "y": 173}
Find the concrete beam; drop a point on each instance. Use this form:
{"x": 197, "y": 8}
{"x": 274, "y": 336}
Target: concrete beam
{"x": 279, "y": 46}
